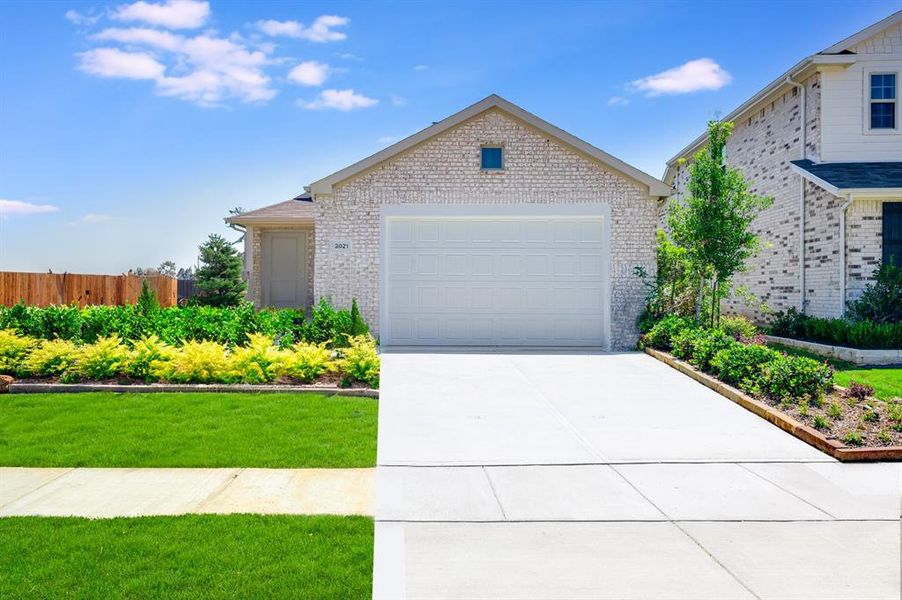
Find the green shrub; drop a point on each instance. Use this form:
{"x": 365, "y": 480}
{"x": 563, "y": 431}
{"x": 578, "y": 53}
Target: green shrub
{"x": 795, "y": 377}
{"x": 259, "y": 361}
{"x": 661, "y": 334}
{"x": 197, "y": 362}
{"x": 306, "y": 361}
{"x": 738, "y": 327}
{"x": 820, "y": 423}
{"x": 857, "y": 334}
{"x": 14, "y": 349}
{"x": 360, "y": 361}
{"x": 881, "y": 301}
{"x": 740, "y": 364}
{"x": 51, "y": 357}
{"x": 852, "y": 438}
{"x": 103, "y": 359}
{"x": 698, "y": 346}
{"x": 230, "y": 325}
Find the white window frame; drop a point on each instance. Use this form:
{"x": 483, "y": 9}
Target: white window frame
{"x": 868, "y": 130}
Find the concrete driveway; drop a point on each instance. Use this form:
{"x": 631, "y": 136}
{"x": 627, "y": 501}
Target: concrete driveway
{"x": 575, "y": 475}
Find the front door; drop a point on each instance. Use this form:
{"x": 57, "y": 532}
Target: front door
{"x": 285, "y": 269}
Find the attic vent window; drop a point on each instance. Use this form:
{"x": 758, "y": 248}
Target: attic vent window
{"x": 492, "y": 158}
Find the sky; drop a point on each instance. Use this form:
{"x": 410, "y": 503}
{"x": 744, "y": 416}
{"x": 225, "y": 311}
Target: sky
{"x": 128, "y": 130}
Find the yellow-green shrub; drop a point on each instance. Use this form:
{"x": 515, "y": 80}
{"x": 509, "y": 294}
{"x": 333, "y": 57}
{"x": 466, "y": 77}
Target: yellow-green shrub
{"x": 259, "y": 361}
{"x": 196, "y": 362}
{"x": 360, "y": 361}
{"x": 105, "y": 358}
{"x": 147, "y": 357}
{"x": 14, "y": 349}
{"x": 308, "y": 361}
{"x": 52, "y": 357}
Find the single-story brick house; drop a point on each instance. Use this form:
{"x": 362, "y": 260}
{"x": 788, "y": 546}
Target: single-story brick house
{"x": 836, "y": 182}
{"x": 492, "y": 227}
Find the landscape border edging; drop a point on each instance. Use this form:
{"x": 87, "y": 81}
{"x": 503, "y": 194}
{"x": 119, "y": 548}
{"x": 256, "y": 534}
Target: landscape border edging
{"x": 43, "y": 388}
{"x": 858, "y": 356}
{"x": 805, "y": 433}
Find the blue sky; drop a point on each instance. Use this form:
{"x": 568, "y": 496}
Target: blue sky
{"x": 127, "y": 130}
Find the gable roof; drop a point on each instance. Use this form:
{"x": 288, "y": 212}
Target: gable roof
{"x": 655, "y": 186}
{"x": 838, "y": 53}
{"x": 296, "y": 210}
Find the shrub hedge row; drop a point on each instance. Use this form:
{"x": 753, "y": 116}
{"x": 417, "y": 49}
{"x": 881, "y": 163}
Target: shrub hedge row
{"x": 230, "y": 326}
{"x": 840, "y": 332}
{"x": 752, "y": 367}
{"x": 151, "y": 359}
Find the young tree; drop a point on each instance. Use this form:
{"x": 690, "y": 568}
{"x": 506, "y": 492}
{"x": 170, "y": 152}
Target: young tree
{"x": 712, "y": 223}
{"x": 167, "y": 268}
{"x": 219, "y": 275}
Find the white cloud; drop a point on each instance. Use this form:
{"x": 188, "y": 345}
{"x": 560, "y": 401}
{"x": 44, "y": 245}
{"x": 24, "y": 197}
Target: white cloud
{"x": 693, "y": 76}
{"x": 618, "y": 101}
{"x": 142, "y": 36}
{"x": 420, "y": 67}
{"x": 93, "y": 219}
{"x": 18, "y": 208}
{"x": 387, "y": 139}
{"x": 339, "y": 100}
{"x": 322, "y": 29}
{"x": 349, "y": 56}
{"x": 111, "y": 62}
{"x": 174, "y": 14}
{"x": 73, "y": 16}
{"x": 309, "y": 73}
{"x": 397, "y": 100}
{"x": 207, "y": 70}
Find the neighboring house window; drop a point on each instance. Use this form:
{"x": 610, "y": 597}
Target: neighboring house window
{"x": 492, "y": 158}
{"x": 892, "y": 233}
{"x": 883, "y": 101}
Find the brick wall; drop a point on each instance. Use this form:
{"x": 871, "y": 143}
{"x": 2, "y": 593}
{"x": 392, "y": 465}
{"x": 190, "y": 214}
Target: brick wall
{"x": 446, "y": 170}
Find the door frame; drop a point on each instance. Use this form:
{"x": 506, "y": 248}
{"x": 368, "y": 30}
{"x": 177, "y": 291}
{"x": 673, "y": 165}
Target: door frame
{"x": 266, "y": 250}
{"x": 438, "y": 211}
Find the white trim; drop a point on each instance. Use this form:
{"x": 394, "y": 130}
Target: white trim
{"x": 864, "y": 34}
{"x": 866, "y": 128}
{"x": 655, "y": 186}
{"x": 816, "y": 180}
{"x": 550, "y": 211}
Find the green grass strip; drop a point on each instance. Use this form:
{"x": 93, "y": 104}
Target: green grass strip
{"x": 886, "y": 381}
{"x": 187, "y": 430}
{"x": 191, "y": 556}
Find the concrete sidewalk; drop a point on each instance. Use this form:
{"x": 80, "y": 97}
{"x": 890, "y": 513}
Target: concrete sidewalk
{"x": 612, "y": 476}
{"x": 101, "y": 493}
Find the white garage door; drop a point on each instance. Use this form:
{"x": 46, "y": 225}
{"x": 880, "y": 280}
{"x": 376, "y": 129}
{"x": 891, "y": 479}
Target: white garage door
{"x": 494, "y": 281}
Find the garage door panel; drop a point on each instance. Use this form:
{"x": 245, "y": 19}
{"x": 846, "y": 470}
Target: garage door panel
{"x": 495, "y": 281}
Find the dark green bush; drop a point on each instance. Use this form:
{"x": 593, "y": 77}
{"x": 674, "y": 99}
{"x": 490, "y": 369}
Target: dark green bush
{"x": 794, "y": 377}
{"x": 225, "y": 325}
{"x": 840, "y": 332}
{"x": 661, "y": 334}
{"x": 698, "y": 346}
{"x": 881, "y": 301}
{"x": 740, "y": 364}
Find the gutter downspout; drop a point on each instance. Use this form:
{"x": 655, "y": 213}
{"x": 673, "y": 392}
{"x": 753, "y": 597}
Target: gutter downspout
{"x": 842, "y": 254}
{"x": 802, "y": 143}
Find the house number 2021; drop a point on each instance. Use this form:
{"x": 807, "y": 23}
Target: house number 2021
{"x": 341, "y": 245}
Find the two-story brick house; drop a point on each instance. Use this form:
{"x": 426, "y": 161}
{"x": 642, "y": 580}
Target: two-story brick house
{"x": 836, "y": 182}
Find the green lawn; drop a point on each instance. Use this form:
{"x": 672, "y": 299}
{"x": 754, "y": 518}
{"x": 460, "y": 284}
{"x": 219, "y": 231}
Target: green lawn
{"x": 192, "y": 556}
{"x": 186, "y": 430}
{"x": 886, "y": 381}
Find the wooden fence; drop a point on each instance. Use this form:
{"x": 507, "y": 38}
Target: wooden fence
{"x": 44, "y": 289}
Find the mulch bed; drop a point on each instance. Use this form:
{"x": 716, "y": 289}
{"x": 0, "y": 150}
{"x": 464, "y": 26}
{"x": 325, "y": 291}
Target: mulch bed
{"x": 880, "y": 435}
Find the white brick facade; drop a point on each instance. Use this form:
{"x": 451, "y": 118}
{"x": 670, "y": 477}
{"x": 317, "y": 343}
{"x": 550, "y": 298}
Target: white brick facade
{"x": 762, "y": 144}
{"x": 445, "y": 169}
